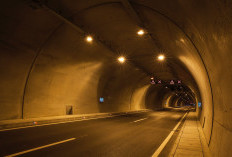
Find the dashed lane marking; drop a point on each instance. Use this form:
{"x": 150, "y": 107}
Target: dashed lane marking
{"x": 139, "y": 120}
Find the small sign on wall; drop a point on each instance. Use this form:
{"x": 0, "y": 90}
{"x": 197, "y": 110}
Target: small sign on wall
{"x": 101, "y": 99}
{"x": 69, "y": 110}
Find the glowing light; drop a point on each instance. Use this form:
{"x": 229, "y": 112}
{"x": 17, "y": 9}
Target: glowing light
{"x": 182, "y": 40}
{"x": 140, "y": 32}
{"x": 89, "y": 39}
{"x": 161, "y": 57}
{"x": 121, "y": 59}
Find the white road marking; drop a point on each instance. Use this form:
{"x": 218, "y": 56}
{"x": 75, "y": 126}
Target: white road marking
{"x": 161, "y": 147}
{"x": 139, "y": 120}
{"x": 41, "y": 147}
{"x": 70, "y": 121}
{"x": 54, "y": 123}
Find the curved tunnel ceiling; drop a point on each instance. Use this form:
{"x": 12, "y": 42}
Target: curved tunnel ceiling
{"x": 114, "y": 24}
{"x": 45, "y": 41}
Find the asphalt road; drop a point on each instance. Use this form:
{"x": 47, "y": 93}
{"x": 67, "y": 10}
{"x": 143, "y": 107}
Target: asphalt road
{"x": 134, "y": 135}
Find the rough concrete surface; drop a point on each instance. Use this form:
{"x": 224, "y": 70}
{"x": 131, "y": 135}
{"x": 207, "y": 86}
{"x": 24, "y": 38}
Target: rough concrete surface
{"x": 47, "y": 67}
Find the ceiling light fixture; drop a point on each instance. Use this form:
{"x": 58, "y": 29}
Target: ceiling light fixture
{"x": 161, "y": 57}
{"x": 140, "y": 32}
{"x": 89, "y": 38}
{"x": 121, "y": 59}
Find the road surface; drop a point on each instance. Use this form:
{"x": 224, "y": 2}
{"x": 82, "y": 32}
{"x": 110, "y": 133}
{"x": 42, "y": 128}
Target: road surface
{"x": 133, "y": 135}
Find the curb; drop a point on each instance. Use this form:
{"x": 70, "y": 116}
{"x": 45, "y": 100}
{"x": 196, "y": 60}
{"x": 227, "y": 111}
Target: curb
{"x": 33, "y": 122}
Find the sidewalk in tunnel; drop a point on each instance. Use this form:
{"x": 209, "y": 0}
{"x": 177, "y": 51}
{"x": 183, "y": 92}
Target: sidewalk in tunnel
{"x": 190, "y": 141}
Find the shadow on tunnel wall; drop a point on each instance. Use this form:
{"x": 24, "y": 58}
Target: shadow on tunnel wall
{"x": 155, "y": 97}
{"x": 118, "y": 85}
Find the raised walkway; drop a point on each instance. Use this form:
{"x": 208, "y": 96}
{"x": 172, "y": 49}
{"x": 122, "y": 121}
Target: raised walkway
{"x": 190, "y": 141}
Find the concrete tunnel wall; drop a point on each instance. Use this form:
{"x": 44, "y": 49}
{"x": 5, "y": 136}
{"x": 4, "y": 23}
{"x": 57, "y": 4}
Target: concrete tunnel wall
{"x": 58, "y": 69}
{"x": 46, "y": 65}
{"x": 65, "y": 71}
{"x": 155, "y": 95}
{"x": 208, "y": 24}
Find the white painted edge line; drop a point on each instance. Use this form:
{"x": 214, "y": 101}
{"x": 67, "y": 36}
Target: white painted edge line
{"x": 161, "y": 147}
{"x": 41, "y": 147}
{"x": 52, "y": 123}
{"x": 139, "y": 120}
{"x": 69, "y": 121}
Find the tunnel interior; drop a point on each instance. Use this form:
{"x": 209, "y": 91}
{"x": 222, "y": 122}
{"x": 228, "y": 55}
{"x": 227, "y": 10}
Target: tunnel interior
{"x": 50, "y": 68}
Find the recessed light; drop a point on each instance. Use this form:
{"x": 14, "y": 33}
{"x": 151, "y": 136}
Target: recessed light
{"x": 121, "y": 59}
{"x": 161, "y": 57}
{"x": 140, "y": 32}
{"x": 89, "y": 38}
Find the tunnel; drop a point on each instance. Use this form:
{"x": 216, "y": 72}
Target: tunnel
{"x": 69, "y": 58}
